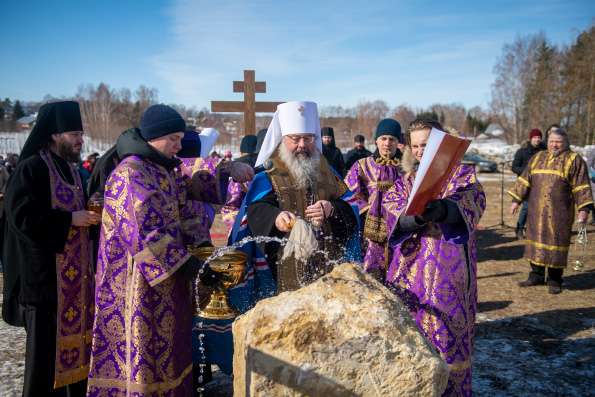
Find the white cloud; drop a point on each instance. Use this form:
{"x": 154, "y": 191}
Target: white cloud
{"x": 334, "y": 52}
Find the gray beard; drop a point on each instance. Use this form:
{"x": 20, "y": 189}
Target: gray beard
{"x": 304, "y": 170}
{"x": 556, "y": 153}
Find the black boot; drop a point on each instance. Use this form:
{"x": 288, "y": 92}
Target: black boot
{"x": 554, "y": 280}
{"x": 520, "y": 233}
{"x": 536, "y": 277}
{"x": 533, "y": 280}
{"x": 554, "y": 287}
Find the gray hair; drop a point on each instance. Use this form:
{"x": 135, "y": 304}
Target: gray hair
{"x": 561, "y": 132}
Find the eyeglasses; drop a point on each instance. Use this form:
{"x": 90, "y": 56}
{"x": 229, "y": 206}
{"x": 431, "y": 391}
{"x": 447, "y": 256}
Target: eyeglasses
{"x": 309, "y": 138}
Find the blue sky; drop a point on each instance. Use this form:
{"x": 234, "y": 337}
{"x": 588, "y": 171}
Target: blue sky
{"x": 332, "y": 52}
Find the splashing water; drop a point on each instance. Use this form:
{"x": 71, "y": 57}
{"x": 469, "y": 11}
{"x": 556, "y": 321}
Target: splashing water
{"x": 307, "y": 278}
{"x": 313, "y": 273}
{"x": 218, "y": 253}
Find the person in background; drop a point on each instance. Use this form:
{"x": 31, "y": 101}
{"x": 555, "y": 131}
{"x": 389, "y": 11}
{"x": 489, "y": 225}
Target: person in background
{"x": 521, "y": 159}
{"x": 248, "y": 150}
{"x": 556, "y": 184}
{"x": 368, "y": 179}
{"x": 90, "y": 161}
{"x": 590, "y": 159}
{"x": 359, "y": 151}
{"x": 331, "y": 152}
{"x": 11, "y": 162}
{"x": 4, "y": 175}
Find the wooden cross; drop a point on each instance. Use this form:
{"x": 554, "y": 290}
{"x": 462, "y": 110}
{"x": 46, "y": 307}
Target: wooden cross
{"x": 249, "y": 106}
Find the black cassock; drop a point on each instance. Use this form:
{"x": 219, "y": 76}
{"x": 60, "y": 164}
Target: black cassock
{"x": 33, "y": 233}
{"x": 335, "y": 158}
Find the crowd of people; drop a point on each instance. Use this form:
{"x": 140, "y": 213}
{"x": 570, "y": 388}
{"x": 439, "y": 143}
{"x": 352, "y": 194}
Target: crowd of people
{"x": 97, "y": 254}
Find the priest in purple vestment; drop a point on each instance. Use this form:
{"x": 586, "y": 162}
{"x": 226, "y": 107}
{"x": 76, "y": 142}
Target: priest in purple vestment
{"x": 143, "y": 319}
{"x": 369, "y": 179}
{"x": 433, "y": 269}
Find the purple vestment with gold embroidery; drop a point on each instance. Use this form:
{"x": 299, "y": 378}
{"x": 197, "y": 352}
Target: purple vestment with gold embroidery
{"x": 433, "y": 271}
{"x": 143, "y": 319}
{"x": 235, "y": 195}
{"x": 198, "y": 216}
{"x": 74, "y": 283}
{"x": 369, "y": 179}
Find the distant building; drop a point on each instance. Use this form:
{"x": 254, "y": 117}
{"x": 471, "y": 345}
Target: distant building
{"x": 26, "y": 122}
{"x": 494, "y": 129}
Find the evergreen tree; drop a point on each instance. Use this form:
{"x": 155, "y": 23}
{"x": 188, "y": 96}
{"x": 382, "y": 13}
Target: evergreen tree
{"x": 428, "y": 116}
{"x": 7, "y": 105}
{"x": 17, "y": 111}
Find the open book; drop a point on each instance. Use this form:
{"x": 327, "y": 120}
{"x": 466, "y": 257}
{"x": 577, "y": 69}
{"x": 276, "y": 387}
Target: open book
{"x": 442, "y": 155}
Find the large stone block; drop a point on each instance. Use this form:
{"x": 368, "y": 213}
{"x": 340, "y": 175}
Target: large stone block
{"x": 343, "y": 335}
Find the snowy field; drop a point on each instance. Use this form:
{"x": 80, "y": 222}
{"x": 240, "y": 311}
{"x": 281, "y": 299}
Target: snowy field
{"x": 13, "y": 142}
{"x": 503, "y": 366}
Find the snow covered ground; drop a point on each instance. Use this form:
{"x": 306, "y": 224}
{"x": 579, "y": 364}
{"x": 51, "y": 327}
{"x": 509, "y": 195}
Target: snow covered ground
{"x": 13, "y": 142}
{"x": 12, "y": 360}
{"x": 504, "y": 365}
{"x": 542, "y": 363}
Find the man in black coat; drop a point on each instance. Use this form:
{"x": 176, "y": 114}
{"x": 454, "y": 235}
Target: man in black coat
{"x": 520, "y": 162}
{"x": 331, "y": 152}
{"x": 359, "y": 151}
{"x": 48, "y": 282}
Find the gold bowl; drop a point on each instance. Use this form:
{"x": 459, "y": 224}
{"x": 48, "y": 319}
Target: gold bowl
{"x": 231, "y": 267}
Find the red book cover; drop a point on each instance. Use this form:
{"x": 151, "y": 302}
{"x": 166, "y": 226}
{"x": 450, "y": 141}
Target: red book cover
{"x": 442, "y": 155}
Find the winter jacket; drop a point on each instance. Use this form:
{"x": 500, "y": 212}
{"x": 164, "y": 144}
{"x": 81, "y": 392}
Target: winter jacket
{"x": 523, "y": 155}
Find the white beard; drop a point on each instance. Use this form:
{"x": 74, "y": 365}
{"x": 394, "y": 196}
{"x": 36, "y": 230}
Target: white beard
{"x": 304, "y": 170}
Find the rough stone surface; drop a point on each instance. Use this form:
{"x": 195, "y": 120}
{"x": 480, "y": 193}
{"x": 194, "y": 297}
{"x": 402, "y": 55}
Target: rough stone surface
{"x": 343, "y": 335}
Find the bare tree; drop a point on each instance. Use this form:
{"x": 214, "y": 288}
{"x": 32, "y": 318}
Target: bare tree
{"x": 577, "y": 102}
{"x": 513, "y": 72}
{"x": 451, "y": 115}
{"x": 404, "y": 115}
{"x": 107, "y": 112}
{"x": 368, "y": 114}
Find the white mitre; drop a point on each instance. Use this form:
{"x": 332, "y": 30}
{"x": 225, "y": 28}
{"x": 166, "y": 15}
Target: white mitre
{"x": 208, "y": 137}
{"x": 291, "y": 118}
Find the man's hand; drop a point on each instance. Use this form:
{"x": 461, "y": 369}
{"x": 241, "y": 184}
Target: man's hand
{"x": 435, "y": 211}
{"x": 285, "y": 221}
{"x": 319, "y": 211}
{"x": 241, "y": 172}
{"x": 185, "y": 170}
{"x": 85, "y": 218}
{"x": 514, "y": 208}
{"x": 582, "y": 216}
